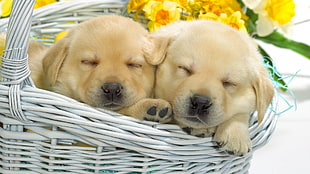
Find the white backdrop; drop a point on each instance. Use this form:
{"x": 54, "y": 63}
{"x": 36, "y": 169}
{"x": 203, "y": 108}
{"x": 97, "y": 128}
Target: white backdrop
{"x": 288, "y": 152}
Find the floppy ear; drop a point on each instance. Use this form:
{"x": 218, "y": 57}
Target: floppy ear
{"x": 264, "y": 92}
{"x": 53, "y": 60}
{"x": 156, "y": 49}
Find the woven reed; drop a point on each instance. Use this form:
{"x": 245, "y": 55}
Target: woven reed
{"x": 44, "y": 132}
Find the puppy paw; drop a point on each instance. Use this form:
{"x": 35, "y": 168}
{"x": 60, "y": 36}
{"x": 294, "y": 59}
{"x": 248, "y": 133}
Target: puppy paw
{"x": 158, "y": 110}
{"x": 233, "y": 141}
{"x": 149, "y": 109}
{"x": 205, "y": 132}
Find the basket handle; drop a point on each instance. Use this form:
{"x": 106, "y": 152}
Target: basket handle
{"x": 14, "y": 70}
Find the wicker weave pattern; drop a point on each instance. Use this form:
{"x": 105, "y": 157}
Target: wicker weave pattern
{"x": 44, "y": 132}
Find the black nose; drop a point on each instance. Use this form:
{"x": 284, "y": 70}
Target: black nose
{"x": 112, "y": 91}
{"x": 199, "y": 104}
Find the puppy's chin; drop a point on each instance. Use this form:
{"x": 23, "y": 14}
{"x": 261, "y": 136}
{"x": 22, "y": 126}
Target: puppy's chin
{"x": 188, "y": 122}
{"x": 99, "y": 103}
{"x": 112, "y": 107}
{"x": 192, "y": 121}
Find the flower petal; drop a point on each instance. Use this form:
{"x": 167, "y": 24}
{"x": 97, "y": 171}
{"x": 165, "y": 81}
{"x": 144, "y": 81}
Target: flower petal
{"x": 264, "y": 26}
{"x": 251, "y": 3}
{"x": 287, "y": 29}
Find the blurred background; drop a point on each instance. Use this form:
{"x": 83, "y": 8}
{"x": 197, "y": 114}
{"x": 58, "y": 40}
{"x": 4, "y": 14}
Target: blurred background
{"x": 288, "y": 151}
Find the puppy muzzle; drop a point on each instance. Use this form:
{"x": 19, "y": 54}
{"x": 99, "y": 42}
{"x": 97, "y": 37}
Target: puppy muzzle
{"x": 199, "y": 107}
{"x": 112, "y": 94}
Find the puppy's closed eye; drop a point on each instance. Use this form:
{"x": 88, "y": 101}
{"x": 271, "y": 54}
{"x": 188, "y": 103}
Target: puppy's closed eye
{"x": 185, "y": 69}
{"x": 133, "y": 65}
{"x": 229, "y": 85}
{"x": 92, "y": 63}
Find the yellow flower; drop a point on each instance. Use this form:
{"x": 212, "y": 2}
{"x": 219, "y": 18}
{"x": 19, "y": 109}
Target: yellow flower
{"x": 234, "y": 20}
{"x": 208, "y": 16}
{"x": 6, "y": 6}
{"x": 194, "y": 9}
{"x": 136, "y": 5}
{"x": 41, "y": 3}
{"x": 281, "y": 11}
{"x": 161, "y": 13}
{"x": 182, "y": 3}
{"x": 2, "y": 47}
{"x": 222, "y": 6}
{"x": 225, "y": 11}
{"x": 60, "y": 35}
{"x": 272, "y": 13}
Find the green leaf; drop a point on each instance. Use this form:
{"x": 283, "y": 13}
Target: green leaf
{"x": 281, "y": 41}
{"x": 274, "y": 73}
{"x": 251, "y": 22}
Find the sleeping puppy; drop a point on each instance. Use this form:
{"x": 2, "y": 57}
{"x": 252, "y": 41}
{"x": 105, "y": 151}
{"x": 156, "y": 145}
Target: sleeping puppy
{"x": 103, "y": 62}
{"x": 213, "y": 76}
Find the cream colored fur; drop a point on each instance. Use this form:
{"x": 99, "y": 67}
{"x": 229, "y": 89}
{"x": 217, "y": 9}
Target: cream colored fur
{"x": 221, "y": 64}
{"x": 106, "y": 49}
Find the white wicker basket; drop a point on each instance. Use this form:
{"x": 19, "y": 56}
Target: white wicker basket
{"x": 44, "y": 132}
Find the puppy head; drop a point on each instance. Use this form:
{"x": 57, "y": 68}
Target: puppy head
{"x": 210, "y": 73}
{"x": 102, "y": 62}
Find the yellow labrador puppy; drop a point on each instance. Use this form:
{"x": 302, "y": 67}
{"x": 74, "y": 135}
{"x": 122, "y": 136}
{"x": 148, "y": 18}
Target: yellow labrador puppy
{"x": 103, "y": 62}
{"x": 213, "y": 76}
